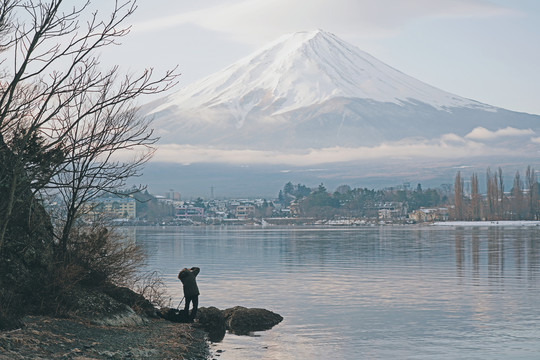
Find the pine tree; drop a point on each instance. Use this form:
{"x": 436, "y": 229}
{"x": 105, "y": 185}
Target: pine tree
{"x": 517, "y": 198}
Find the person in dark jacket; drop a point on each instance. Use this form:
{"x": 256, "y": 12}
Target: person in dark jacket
{"x": 191, "y": 290}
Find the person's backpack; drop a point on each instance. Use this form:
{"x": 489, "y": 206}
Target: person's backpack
{"x": 179, "y": 316}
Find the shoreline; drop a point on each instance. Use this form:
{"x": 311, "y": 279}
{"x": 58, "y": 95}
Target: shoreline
{"x": 501, "y": 223}
{"x": 348, "y": 224}
{"x": 44, "y": 337}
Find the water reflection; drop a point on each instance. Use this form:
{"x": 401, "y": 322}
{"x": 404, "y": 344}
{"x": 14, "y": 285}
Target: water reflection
{"x": 460, "y": 253}
{"x": 475, "y": 252}
{"x": 390, "y": 292}
{"x": 504, "y": 249}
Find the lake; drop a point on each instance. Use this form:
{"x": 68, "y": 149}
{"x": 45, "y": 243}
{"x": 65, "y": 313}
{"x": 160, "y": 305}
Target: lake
{"x": 388, "y": 292}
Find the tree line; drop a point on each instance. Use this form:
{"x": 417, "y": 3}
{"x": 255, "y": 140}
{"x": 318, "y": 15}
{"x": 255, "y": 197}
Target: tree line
{"x": 465, "y": 201}
{"x": 520, "y": 203}
{"x": 357, "y": 202}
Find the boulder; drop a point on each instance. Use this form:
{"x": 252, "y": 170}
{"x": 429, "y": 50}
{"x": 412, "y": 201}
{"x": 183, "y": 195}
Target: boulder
{"x": 238, "y": 320}
{"x": 242, "y": 321}
{"x": 129, "y": 297}
{"x": 101, "y": 309}
{"x": 212, "y": 321}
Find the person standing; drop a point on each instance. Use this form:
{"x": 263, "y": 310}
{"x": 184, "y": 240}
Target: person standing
{"x": 191, "y": 290}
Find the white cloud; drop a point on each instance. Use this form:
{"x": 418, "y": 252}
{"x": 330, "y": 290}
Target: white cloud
{"x": 257, "y": 21}
{"x": 481, "y": 133}
{"x": 452, "y": 138}
{"x": 406, "y": 149}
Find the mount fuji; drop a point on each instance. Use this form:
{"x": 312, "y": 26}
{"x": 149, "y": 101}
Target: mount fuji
{"x": 310, "y": 98}
{"x": 313, "y": 90}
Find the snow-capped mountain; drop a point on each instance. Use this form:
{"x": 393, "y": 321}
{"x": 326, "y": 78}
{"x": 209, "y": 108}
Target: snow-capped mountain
{"x": 312, "y": 90}
{"x": 305, "y": 69}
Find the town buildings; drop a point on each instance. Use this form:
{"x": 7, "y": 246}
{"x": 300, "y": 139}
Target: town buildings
{"x": 113, "y": 207}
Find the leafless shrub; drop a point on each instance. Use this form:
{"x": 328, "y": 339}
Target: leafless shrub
{"x": 104, "y": 256}
{"x": 151, "y": 286}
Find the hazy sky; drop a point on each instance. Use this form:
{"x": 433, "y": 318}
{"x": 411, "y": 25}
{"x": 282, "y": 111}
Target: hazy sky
{"x": 486, "y": 50}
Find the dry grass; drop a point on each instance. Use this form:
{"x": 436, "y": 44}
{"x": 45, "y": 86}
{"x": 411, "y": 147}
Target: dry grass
{"x": 49, "y": 338}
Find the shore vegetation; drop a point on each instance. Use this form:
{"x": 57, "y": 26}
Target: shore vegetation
{"x": 69, "y": 130}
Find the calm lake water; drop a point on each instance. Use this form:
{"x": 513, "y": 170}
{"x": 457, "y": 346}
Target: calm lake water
{"x": 365, "y": 293}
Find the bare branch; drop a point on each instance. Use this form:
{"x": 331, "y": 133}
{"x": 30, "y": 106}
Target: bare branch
{"x": 66, "y": 125}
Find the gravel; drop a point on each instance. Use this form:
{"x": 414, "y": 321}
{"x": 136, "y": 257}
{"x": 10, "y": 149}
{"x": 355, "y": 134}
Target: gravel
{"x": 52, "y": 338}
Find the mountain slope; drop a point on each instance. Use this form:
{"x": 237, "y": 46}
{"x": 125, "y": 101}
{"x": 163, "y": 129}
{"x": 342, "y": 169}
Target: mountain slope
{"x": 308, "y": 68}
{"x": 312, "y": 90}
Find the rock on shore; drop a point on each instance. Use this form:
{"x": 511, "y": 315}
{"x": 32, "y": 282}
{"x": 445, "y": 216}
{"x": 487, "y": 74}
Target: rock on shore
{"x": 238, "y": 320}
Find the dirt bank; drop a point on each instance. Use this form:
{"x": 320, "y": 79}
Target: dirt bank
{"x": 51, "y": 338}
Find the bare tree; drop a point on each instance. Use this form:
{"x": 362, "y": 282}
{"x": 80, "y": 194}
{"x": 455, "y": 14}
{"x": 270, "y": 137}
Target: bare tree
{"x": 532, "y": 194}
{"x": 94, "y": 164}
{"x": 476, "y": 200}
{"x": 61, "y": 116}
{"x": 458, "y": 197}
{"x": 492, "y": 185}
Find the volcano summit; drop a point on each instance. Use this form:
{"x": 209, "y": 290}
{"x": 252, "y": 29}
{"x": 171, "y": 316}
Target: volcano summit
{"x": 310, "y": 93}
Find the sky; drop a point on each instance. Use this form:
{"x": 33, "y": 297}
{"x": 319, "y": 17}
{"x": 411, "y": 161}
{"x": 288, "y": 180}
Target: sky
{"x": 485, "y": 50}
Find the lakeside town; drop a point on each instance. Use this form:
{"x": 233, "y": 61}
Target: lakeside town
{"x": 297, "y": 204}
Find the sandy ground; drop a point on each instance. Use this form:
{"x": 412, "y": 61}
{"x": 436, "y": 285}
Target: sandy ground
{"x": 51, "y": 338}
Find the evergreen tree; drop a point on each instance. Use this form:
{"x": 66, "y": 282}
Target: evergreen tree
{"x": 517, "y": 198}
{"x": 501, "y": 199}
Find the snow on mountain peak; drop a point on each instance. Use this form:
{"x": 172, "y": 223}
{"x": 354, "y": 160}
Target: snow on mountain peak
{"x": 304, "y": 69}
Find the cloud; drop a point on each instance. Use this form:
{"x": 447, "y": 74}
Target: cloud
{"x": 452, "y": 138}
{"x": 481, "y": 133}
{"x": 255, "y": 21}
{"x": 447, "y": 147}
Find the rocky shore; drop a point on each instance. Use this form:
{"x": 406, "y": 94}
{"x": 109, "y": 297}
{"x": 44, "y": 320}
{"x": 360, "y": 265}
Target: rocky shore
{"x": 106, "y": 323}
{"x": 78, "y": 339}
{"x": 116, "y": 323}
